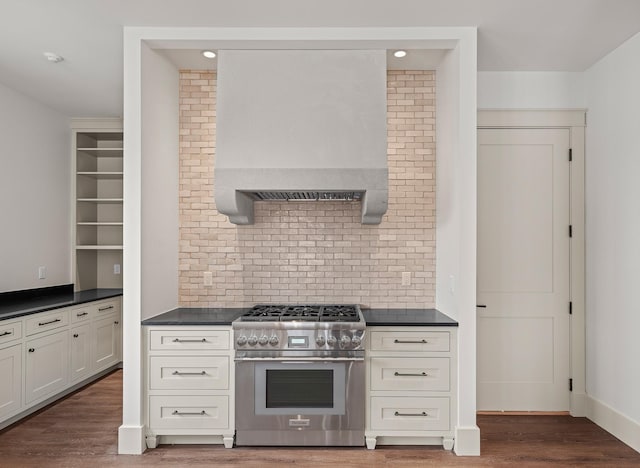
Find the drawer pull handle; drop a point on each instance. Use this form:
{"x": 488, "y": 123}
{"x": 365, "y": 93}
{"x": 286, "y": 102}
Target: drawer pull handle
{"x": 102, "y": 309}
{"x": 183, "y": 413}
{"x": 410, "y": 341}
{"x": 31, "y": 350}
{"x": 82, "y": 314}
{"x": 175, "y": 372}
{"x": 178, "y": 340}
{"x": 41, "y": 324}
{"x": 421, "y": 374}
{"x": 75, "y": 335}
{"x": 423, "y": 414}
{"x": 7, "y": 333}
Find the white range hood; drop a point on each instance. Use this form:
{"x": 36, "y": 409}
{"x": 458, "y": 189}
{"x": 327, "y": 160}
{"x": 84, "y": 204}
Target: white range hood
{"x": 301, "y": 125}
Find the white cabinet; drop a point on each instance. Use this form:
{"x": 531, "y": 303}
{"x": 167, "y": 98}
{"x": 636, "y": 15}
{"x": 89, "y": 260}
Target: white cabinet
{"x": 80, "y": 343}
{"x": 411, "y": 385}
{"x": 98, "y": 187}
{"x": 46, "y": 366}
{"x": 11, "y": 381}
{"x": 44, "y": 355}
{"x": 189, "y": 384}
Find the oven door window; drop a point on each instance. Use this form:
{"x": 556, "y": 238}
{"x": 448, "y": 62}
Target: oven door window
{"x": 293, "y": 388}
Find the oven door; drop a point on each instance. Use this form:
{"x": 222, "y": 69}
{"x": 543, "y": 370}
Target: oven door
{"x": 300, "y": 402}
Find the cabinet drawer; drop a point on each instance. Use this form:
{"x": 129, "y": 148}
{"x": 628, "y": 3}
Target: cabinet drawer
{"x": 410, "y": 413}
{"x": 419, "y": 340}
{"x": 42, "y": 322}
{"x": 10, "y": 331}
{"x": 80, "y": 315}
{"x": 428, "y": 374}
{"x": 188, "y": 340}
{"x": 189, "y": 412}
{"x": 105, "y": 308}
{"x": 189, "y": 372}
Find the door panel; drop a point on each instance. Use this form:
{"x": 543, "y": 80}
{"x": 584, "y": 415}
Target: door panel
{"x": 523, "y": 269}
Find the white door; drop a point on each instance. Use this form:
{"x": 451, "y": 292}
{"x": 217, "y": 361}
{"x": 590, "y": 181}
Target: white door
{"x": 106, "y": 342}
{"x": 523, "y": 270}
{"x": 80, "y": 343}
{"x": 47, "y": 364}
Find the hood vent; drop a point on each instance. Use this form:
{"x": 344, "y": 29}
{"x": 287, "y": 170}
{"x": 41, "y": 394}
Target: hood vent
{"x": 308, "y": 196}
{"x": 301, "y": 125}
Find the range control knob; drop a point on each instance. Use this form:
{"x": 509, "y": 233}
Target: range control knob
{"x": 273, "y": 341}
{"x": 264, "y": 339}
{"x": 253, "y": 340}
{"x": 320, "y": 341}
{"x": 331, "y": 340}
{"x": 345, "y": 341}
{"x": 356, "y": 341}
{"x": 242, "y": 340}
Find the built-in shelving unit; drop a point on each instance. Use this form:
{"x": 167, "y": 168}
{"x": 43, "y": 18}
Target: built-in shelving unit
{"x": 97, "y": 152}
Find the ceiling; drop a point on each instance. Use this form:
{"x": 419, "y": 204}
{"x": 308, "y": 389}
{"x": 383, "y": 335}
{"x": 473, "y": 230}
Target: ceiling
{"x": 513, "y": 35}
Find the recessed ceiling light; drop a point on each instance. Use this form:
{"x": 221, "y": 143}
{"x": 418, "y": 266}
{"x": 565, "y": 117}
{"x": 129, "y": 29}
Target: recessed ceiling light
{"x": 51, "y": 57}
{"x": 209, "y": 53}
{"x": 400, "y": 53}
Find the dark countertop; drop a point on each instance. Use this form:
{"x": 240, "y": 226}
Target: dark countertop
{"x": 373, "y": 317}
{"x": 197, "y": 316}
{"x": 12, "y": 308}
{"x": 407, "y": 318}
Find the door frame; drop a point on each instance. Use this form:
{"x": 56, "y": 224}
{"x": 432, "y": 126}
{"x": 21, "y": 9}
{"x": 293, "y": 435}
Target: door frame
{"x": 575, "y": 120}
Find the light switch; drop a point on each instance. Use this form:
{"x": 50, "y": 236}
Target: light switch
{"x": 406, "y": 278}
{"x": 116, "y": 268}
{"x": 208, "y": 278}
{"x": 42, "y": 272}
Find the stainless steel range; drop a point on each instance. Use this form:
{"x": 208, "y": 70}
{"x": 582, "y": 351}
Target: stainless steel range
{"x": 300, "y": 375}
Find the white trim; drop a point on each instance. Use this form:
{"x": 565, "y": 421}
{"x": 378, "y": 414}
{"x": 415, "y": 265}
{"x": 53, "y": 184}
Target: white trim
{"x": 614, "y": 422}
{"x": 575, "y": 121}
{"x": 131, "y": 440}
{"x": 467, "y": 441}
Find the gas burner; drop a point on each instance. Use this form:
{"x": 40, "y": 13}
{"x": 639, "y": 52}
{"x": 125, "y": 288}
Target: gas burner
{"x": 339, "y": 313}
{"x": 302, "y": 313}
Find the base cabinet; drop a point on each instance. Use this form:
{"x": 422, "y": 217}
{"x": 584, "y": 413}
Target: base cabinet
{"x": 411, "y": 385}
{"x": 189, "y": 385}
{"x": 46, "y": 369}
{"x": 80, "y": 343}
{"x": 45, "y": 354}
{"x": 11, "y": 381}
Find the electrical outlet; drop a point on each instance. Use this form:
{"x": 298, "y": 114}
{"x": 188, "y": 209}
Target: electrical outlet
{"x": 452, "y": 284}
{"x": 406, "y": 278}
{"x": 208, "y": 278}
{"x": 116, "y": 268}
{"x": 42, "y": 272}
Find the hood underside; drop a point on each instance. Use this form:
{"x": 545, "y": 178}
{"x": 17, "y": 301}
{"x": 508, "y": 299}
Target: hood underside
{"x": 296, "y": 125}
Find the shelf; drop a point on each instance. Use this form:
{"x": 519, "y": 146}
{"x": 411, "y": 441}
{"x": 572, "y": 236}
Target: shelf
{"x": 100, "y": 200}
{"x": 100, "y": 223}
{"x": 102, "y": 152}
{"x": 101, "y": 175}
{"x": 98, "y": 247}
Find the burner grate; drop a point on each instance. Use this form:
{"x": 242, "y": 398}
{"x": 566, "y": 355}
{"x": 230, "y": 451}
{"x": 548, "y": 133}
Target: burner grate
{"x": 302, "y": 313}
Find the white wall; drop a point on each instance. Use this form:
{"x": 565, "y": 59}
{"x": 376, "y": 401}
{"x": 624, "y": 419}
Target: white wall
{"x": 35, "y": 165}
{"x": 531, "y": 90}
{"x": 160, "y": 222}
{"x": 613, "y": 230}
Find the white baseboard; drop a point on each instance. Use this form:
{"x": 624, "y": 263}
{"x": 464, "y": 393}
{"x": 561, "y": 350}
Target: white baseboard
{"x": 614, "y": 422}
{"x": 467, "y": 441}
{"x": 131, "y": 440}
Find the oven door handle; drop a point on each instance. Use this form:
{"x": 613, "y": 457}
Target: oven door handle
{"x": 298, "y": 361}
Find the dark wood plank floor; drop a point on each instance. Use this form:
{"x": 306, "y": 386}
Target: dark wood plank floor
{"x": 81, "y": 431}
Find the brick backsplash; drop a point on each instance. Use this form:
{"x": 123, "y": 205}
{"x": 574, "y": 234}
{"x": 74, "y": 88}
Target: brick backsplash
{"x": 311, "y": 252}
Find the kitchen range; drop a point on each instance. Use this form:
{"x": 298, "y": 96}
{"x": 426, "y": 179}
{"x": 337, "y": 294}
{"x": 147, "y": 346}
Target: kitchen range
{"x": 300, "y": 375}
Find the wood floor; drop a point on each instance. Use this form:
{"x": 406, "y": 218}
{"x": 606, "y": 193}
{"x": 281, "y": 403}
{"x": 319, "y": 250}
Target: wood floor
{"x": 81, "y": 431}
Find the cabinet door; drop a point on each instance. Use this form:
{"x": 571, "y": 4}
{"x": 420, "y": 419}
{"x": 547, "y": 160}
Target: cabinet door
{"x": 106, "y": 339}
{"x": 47, "y": 366}
{"x": 81, "y": 358}
{"x": 11, "y": 381}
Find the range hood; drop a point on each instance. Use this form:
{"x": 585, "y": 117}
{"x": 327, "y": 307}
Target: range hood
{"x": 301, "y": 125}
